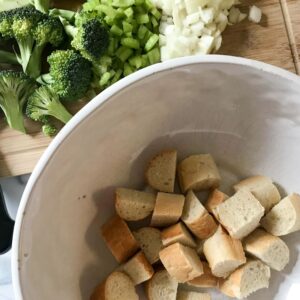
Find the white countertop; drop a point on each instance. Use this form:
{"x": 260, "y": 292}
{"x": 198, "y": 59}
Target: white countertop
{"x": 12, "y": 190}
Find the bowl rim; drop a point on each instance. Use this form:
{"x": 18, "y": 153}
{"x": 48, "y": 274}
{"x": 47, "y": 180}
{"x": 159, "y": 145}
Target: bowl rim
{"x": 95, "y": 103}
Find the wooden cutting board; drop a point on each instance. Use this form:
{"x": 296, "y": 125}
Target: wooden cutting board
{"x": 276, "y": 40}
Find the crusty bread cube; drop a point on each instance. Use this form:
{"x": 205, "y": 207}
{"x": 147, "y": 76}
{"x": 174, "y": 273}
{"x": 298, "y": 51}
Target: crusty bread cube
{"x": 177, "y": 233}
{"x": 215, "y": 198}
{"x": 117, "y": 286}
{"x": 268, "y": 248}
{"x": 181, "y": 262}
{"x": 206, "y": 280}
{"x": 240, "y": 214}
{"x": 198, "y": 172}
{"x": 196, "y": 217}
{"x": 132, "y": 205}
{"x": 252, "y": 276}
{"x": 149, "y": 239}
{"x": 223, "y": 253}
{"x": 263, "y": 190}
{"x": 161, "y": 286}
{"x": 167, "y": 210}
{"x": 284, "y": 217}
{"x": 192, "y": 295}
{"x": 161, "y": 171}
{"x": 119, "y": 238}
{"x": 138, "y": 268}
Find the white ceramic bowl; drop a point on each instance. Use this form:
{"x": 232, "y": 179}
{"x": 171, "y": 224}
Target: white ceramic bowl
{"x": 245, "y": 113}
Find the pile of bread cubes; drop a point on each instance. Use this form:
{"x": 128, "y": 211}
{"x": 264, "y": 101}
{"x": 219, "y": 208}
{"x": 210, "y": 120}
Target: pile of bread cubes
{"x": 228, "y": 242}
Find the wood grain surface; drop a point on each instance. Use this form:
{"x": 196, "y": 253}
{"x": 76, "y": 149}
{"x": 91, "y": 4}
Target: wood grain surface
{"x": 276, "y": 40}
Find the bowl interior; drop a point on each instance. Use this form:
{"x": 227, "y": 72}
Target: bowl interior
{"x": 248, "y": 119}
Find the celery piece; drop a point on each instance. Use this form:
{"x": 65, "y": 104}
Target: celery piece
{"x": 120, "y": 13}
{"x": 152, "y": 41}
{"x": 140, "y": 10}
{"x": 107, "y": 10}
{"x": 136, "y": 61}
{"x": 156, "y": 13}
{"x": 109, "y": 21}
{"x": 134, "y": 26}
{"x": 130, "y": 43}
{"x": 123, "y": 53}
{"x": 142, "y": 19}
{"x": 145, "y": 61}
{"x": 127, "y": 69}
{"x": 154, "y": 56}
{"x": 113, "y": 45}
{"x": 142, "y": 31}
{"x": 154, "y": 22}
{"x": 123, "y": 3}
{"x": 139, "y": 2}
{"x": 104, "y": 78}
{"x": 116, "y": 30}
{"x": 117, "y": 76}
{"x": 148, "y": 5}
{"x": 128, "y": 12}
{"x": 128, "y": 34}
{"x": 105, "y": 60}
{"x": 127, "y": 27}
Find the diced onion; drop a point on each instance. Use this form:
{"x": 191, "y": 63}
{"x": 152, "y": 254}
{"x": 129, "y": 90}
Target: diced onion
{"x": 255, "y": 14}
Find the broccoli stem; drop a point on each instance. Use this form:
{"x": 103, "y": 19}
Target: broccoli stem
{"x": 71, "y": 30}
{"x": 34, "y": 65}
{"x": 41, "y": 5}
{"x": 25, "y": 47}
{"x": 13, "y": 111}
{"x": 68, "y": 15}
{"x": 8, "y": 58}
{"x": 58, "y": 111}
{"x": 45, "y": 79}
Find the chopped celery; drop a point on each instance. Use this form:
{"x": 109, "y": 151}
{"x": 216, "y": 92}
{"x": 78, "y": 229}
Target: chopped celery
{"x": 104, "y": 78}
{"x": 142, "y": 19}
{"x": 156, "y": 13}
{"x": 116, "y": 30}
{"x": 128, "y": 12}
{"x": 139, "y": 2}
{"x": 136, "y": 61}
{"x": 148, "y": 5}
{"x": 145, "y": 60}
{"x": 154, "y": 22}
{"x": 107, "y": 10}
{"x": 123, "y": 3}
{"x": 130, "y": 43}
{"x": 142, "y": 31}
{"x": 127, "y": 69}
{"x": 117, "y": 76}
{"x": 127, "y": 27}
{"x": 154, "y": 56}
{"x": 109, "y": 21}
{"x": 140, "y": 10}
{"x": 123, "y": 53}
{"x": 152, "y": 41}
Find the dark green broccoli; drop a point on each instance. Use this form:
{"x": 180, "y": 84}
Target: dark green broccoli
{"x": 70, "y": 74}
{"x": 90, "y": 37}
{"x": 31, "y": 29}
{"x": 45, "y": 102}
{"x": 15, "y": 88}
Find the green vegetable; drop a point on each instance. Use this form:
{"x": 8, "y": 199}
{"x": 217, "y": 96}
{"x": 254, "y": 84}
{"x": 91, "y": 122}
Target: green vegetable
{"x": 8, "y": 58}
{"x": 90, "y": 38}
{"x": 45, "y": 102}
{"x": 49, "y": 129}
{"x": 15, "y": 88}
{"x": 70, "y": 74}
{"x": 152, "y": 41}
{"x": 32, "y": 30}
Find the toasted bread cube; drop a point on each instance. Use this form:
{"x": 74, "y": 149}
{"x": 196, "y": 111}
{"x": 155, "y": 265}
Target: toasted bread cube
{"x": 191, "y": 295}
{"x": 161, "y": 171}
{"x": 284, "y": 217}
{"x": 119, "y": 239}
{"x": 196, "y": 217}
{"x": 161, "y": 286}
{"x": 149, "y": 239}
{"x": 206, "y": 280}
{"x": 138, "y": 268}
{"x": 132, "y": 205}
{"x": 223, "y": 253}
{"x": 198, "y": 172}
{"x": 177, "y": 233}
{"x": 215, "y": 198}
{"x": 268, "y": 248}
{"x": 240, "y": 214}
{"x": 117, "y": 286}
{"x": 181, "y": 262}
{"x": 262, "y": 189}
{"x": 247, "y": 279}
{"x": 168, "y": 209}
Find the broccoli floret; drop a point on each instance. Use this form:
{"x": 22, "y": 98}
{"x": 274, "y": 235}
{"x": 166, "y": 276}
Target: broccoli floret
{"x": 49, "y": 129}
{"x": 90, "y": 37}
{"x": 31, "y": 29}
{"x": 70, "y": 74}
{"x": 15, "y": 88}
{"x": 45, "y": 102}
